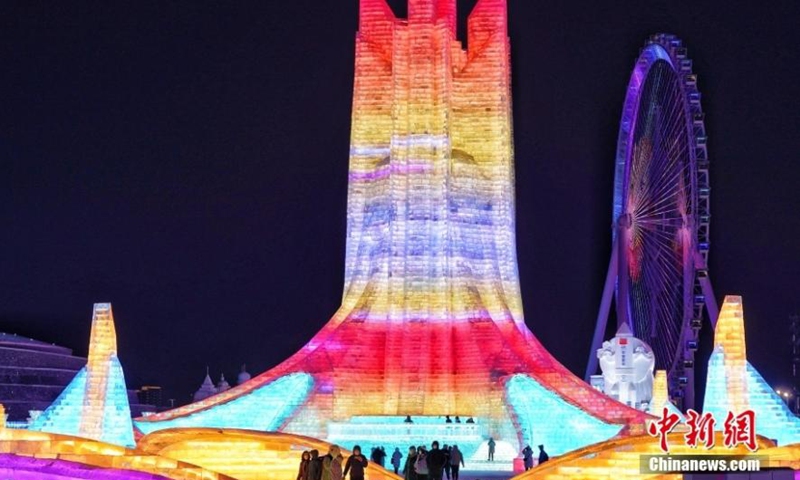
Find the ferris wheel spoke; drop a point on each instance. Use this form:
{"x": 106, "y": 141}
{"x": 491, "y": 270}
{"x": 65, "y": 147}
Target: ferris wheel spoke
{"x": 658, "y": 312}
{"x": 667, "y": 189}
{"x": 668, "y": 186}
{"x": 660, "y": 239}
{"x": 665, "y": 306}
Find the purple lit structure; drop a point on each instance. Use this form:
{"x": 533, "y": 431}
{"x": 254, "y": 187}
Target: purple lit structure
{"x": 661, "y": 217}
{"x": 28, "y": 468}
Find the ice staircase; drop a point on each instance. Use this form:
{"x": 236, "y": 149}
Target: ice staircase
{"x": 392, "y": 432}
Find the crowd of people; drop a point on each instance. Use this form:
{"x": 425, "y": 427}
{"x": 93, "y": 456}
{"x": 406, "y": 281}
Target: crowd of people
{"x": 420, "y": 463}
{"x": 446, "y": 420}
{"x": 433, "y": 464}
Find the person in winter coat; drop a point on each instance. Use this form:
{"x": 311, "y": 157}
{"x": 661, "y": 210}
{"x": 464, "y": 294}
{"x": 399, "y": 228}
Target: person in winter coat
{"x": 356, "y": 464}
{"x": 396, "y": 456}
{"x": 446, "y": 450}
{"x": 380, "y": 456}
{"x": 527, "y": 456}
{"x": 305, "y": 461}
{"x": 543, "y": 456}
{"x": 421, "y": 464}
{"x": 456, "y": 458}
{"x": 436, "y": 460}
{"x": 408, "y": 469}
{"x": 314, "y": 466}
{"x": 332, "y": 464}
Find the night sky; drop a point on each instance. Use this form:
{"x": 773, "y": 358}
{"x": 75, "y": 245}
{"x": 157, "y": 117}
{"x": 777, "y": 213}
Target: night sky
{"x": 187, "y": 161}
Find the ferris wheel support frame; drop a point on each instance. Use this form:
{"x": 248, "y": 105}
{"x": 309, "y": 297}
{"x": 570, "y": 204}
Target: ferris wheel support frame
{"x": 708, "y": 301}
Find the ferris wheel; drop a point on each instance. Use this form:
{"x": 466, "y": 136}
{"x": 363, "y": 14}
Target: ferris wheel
{"x": 658, "y": 267}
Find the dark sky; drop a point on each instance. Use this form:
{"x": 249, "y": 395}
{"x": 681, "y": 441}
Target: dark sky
{"x": 187, "y": 161}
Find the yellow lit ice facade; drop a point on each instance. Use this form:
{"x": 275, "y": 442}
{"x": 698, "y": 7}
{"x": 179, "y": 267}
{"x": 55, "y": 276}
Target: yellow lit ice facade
{"x": 733, "y": 384}
{"x": 26, "y": 454}
{"x": 430, "y": 233}
{"x": 431, "y": 319}
{"x": 660, "y": 392}
{"x": 729, "y": 340}
{"x": 205, "y": 454}
{"x": 244, "y": 455}
{"x": 95, "y": 403}
{"x": 661, "y": 399}
{"x": 619, "y": 459}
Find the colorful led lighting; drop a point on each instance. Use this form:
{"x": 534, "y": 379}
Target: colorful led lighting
{"x": 95, "y": 403}
{"x": 734, "y": 385}
{"x": 431, "y": 320}
{"x": 25, "y": 454}
{"x": 244, "y": 455}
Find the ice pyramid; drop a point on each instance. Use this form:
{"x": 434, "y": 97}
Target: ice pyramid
{"x": 734, "y": 385}
{"x": 95, "y": 403}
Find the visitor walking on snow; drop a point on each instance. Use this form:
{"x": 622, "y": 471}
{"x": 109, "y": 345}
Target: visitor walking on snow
{"x": 491, "y": 449}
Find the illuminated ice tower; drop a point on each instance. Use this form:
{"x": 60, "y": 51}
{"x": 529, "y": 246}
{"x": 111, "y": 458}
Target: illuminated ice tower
{"x": 431, "y": 320}
{"x": 734, "y": 385}
{"x": 430, "y": 210}
{"x": 95, "y": 404}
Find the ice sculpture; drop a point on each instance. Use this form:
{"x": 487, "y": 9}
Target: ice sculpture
{"x": 627, "y": 364}
{"x": 95, "y": 403}
{"x": 734, "y": 385}
{"x": 206, "y": 390}
{"x": 431, "y": 319}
